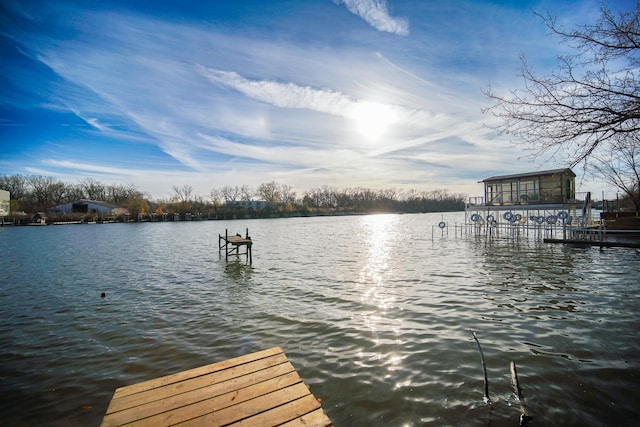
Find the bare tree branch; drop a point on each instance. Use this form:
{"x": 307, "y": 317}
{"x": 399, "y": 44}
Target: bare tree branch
{"x": 590, "y": 98}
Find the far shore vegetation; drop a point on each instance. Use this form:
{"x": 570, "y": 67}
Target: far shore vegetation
{"x": 31, "y": 194}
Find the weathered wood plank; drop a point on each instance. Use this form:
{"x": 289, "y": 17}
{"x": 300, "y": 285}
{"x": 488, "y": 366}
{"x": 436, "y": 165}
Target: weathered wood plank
{"x": 235, "y": 413}
{"x": 204, "y": 380}
{"x": 316, "y": 418}
{"x": 237, "y": 240}
{"x": 173, "y": 415}
{"x": 202, "y": 370}
{"x": 281, "y": 414}
{"x": 158, "y": 406}
{"x": 260, "y": 389}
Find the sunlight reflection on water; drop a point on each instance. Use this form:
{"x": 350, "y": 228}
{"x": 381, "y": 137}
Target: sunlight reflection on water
{"x": 374, "y": 312}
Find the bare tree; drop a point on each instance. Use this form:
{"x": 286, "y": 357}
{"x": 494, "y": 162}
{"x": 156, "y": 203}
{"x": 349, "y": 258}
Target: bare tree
{"x": 74, "y": 192}
{"x": 93, "y": 189}
{"x": 17, "y": 185}
{"x": 622, "y": 168}
{"x": 122, "y": 194}
{"x": 246, "y": 193}
{"x": 229, "y": 193}
{"x": 182, "y": 194}
{"x": 288, "y": 196}
{"x": 45, "y": 191}
{"x": 591, "y": 97}
{"x": 269, "y": 192}
{"x": 216, "y": 197}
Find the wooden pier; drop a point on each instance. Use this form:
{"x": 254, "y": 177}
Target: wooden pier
{"x": 259, "y": 389}
{"x": 232, "y": 245}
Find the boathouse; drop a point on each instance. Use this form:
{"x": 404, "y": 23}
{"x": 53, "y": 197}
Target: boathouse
{"x": 533, "y": 198}
{"x": 88, "y": 207}
{"x": 556, "y": 186}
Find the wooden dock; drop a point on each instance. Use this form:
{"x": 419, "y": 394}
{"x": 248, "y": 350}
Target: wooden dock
{"x": 259, "y": 389}
{"x": 232, "y": 244}
{"x": 601, "y": 243}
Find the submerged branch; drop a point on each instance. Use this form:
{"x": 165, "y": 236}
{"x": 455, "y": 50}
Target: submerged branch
{"x": 484, "y": 369}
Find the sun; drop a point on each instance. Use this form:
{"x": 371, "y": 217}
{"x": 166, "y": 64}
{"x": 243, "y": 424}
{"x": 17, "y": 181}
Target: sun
{"x": 373, "y": 119}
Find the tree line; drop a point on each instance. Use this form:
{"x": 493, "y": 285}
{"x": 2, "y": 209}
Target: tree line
{"x": 35, "y": 193}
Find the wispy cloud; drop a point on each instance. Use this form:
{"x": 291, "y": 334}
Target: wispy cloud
{"x": 285, "y": 95}
{"x": 291, "y": 95}
{"x": 86, "y": 167}
{"x": 376, "y": 14}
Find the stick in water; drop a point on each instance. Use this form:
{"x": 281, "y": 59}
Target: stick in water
{"x": 484, "y": 368}
{"x": 524, "y": 413}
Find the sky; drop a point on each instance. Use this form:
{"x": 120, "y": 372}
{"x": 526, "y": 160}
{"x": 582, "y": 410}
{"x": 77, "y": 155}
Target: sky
{"x": 344, "y": 93}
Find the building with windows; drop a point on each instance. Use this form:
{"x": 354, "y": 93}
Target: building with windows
{"x": 87, "y": 207}
{"x": 5, "y": 203}
{"x": 544, "y": 197}
{"x": 556, "y": 186}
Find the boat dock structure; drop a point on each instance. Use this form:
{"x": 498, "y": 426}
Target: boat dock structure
{"x": 258, "y": 389}
{"x": 542, "y": 205}
{"x": 231, "y": 245}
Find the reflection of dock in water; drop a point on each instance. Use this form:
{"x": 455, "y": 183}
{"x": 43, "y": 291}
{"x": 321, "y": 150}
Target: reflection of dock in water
{"x": 233, "y": 244}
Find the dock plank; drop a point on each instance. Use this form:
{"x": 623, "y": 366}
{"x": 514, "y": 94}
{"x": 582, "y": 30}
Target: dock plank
{"x": 316, "y": 418}
{"x": 206, "y": 380}
{"x": 255, "y": 406}
{"x": 237, "y": 240}
{"x": 202, "y": 370}
{"x": 201, "y": 401}
{"x": 259, "y": 389}
{"x": 291, "y": 411}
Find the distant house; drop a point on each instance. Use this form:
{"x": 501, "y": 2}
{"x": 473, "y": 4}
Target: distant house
{"x": 88, "y": 207}
{"x": 5, "y": 203}
{"x": 556, "y": 186}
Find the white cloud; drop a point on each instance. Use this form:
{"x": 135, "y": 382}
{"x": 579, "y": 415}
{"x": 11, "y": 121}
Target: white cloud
{"x": 286, "y": 95}
{"x": 376, "y": 14}
{"x": 290, "y": 95}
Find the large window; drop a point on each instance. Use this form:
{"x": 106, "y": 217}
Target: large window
{"x": 509, "y": 190}
{"x": 529, "y": 191}
{"x": 493, "y": 194}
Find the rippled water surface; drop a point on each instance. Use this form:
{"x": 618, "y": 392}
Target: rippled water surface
{"x": 375, "y": 312}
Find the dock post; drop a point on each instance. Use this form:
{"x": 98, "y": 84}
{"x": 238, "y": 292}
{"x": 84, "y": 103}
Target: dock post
{"x": 249, "y": 244}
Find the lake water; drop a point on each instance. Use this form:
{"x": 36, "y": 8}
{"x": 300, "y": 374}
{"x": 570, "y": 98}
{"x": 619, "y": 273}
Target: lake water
{"x": 374, "y": 311}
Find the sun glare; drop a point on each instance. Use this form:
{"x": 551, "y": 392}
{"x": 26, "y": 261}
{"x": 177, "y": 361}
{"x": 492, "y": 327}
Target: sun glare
{"x": 373, "y": 119}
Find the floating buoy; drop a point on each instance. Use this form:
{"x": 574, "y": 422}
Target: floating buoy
{"x": 442, "y": 224}
{"x": 103, "y": 295}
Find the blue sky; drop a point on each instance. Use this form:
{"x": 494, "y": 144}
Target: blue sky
{"x": 345, "y": 93}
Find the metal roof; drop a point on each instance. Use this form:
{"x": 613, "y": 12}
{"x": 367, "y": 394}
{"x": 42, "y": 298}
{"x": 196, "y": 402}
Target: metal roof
{"x": 529, "y": 174}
